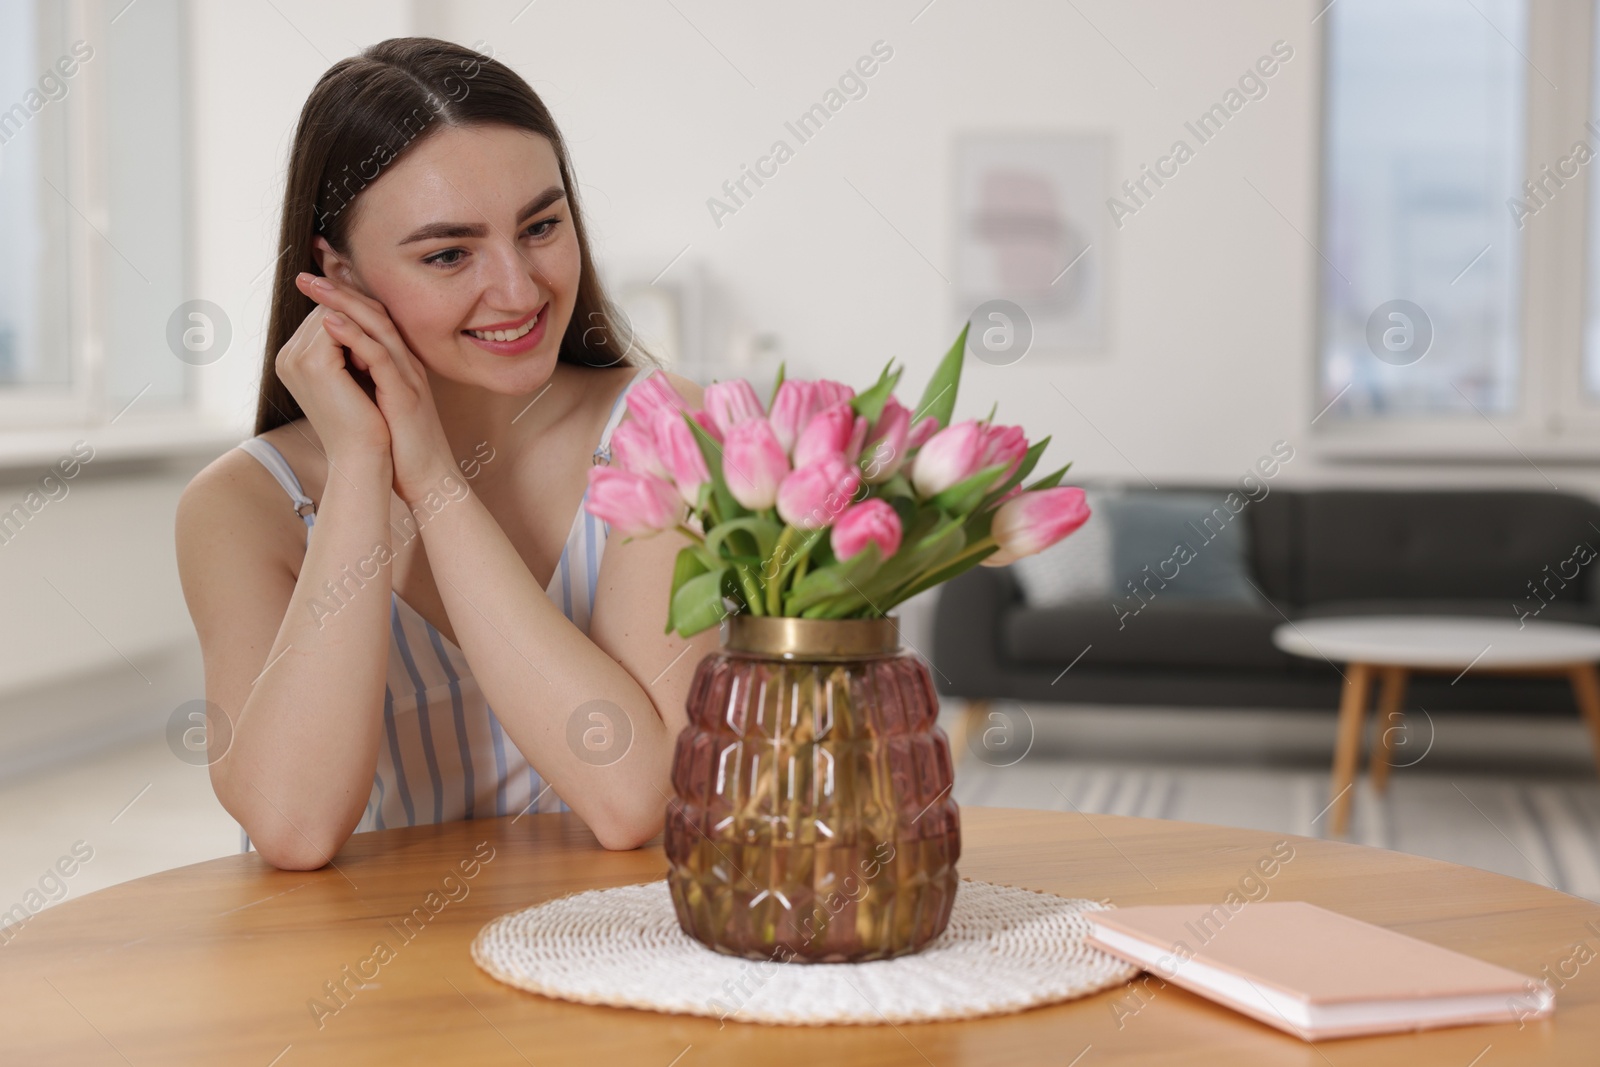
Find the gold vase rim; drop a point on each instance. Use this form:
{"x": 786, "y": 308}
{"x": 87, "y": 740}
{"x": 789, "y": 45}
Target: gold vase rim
{"x": 796, "y": 638}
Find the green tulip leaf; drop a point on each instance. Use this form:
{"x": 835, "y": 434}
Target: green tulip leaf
{"x": 1049, "y": 481}
{"x": 766, "y": 533}
{"x": 939, "y": 398}
{"x": 963, "y": 497}
{"x": 979, "y": 524}
{"x": 697, "y": 602}
{"x": 870, "y": 403}
{"x": 835, "y": 580}
{"x": 928, "y": 548}
{"x": 943, "y": 574}
{"x": 898, "y": 485}
{"x": 687, "y": 565}
{"x": 775, "y": 383}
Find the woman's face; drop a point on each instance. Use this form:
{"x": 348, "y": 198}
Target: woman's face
{"x": 468, "y": 242}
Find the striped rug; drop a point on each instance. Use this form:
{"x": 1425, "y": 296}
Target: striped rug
{"x": 1541, "y": 827}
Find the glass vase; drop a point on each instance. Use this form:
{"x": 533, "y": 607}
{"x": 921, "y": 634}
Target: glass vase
{"x": 812, "y": 819}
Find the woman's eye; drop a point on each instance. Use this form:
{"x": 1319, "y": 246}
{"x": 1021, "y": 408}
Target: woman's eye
{"x": 451, "y": 256}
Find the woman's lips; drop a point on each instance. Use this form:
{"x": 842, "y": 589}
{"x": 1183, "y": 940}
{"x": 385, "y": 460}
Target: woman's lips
{"x": 525, "y": 343}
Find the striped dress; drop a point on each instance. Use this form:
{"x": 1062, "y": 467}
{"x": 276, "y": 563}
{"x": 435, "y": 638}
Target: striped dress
{"x": 444, "y": 755}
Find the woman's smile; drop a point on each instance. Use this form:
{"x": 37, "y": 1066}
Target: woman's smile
{"x": 511, "y": 338}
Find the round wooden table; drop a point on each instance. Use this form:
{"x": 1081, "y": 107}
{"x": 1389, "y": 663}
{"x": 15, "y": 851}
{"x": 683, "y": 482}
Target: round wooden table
{"x": 221, "y": 962}
{"x": 1392, "y": 647}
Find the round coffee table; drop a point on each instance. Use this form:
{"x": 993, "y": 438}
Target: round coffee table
{"x": 225, "y": 962}
{"x": 1394, "y": 646}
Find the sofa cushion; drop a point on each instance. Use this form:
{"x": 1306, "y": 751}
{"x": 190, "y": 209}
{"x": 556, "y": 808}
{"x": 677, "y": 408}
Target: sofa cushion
{"x": 1223, "y": 634}
{"x": 1178, "y": 545}
{"x": 1406, "y": 545}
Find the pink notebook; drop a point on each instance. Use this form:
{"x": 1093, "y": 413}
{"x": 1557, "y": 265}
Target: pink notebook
{"x": 1314, "y": 972}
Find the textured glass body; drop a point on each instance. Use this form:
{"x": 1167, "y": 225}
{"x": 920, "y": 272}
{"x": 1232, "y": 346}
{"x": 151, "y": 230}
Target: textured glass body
{"x": 813, "y": 818}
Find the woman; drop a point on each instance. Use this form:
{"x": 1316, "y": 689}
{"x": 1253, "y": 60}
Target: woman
{"x": 400, "y": 600}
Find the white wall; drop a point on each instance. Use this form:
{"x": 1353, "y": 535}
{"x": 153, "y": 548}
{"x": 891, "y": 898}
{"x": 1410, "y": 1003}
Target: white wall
{"x": 253, "y": 65}
{"x": 1210, "y": 354}
{"x": 1210, "y": 357}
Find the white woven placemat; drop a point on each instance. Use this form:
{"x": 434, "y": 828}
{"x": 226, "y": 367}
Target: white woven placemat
{"x": 1004, "y": 950}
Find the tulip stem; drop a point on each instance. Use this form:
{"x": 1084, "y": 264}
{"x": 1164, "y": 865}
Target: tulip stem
{"x": 970, "y": 550}
{"x": 775, "y": 582}
{"x": 750, "y": 587}
{"x": 973, "y": 549}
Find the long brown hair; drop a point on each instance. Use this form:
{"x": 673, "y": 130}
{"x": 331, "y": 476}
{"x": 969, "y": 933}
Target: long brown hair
{"x": 365, "y": 113}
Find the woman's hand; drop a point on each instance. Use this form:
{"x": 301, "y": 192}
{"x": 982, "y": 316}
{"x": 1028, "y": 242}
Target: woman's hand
{"x": 312, "y": 367}
{"x": 415, "y": 436}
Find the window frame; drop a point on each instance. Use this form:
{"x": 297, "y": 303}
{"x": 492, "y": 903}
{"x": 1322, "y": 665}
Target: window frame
{"x": 1551, "y": 418}
{"x": 26, "y": 410}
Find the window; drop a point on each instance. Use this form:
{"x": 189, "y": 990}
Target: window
{"x": 1451, "y": 227}
{"x": 34, "y": 345}
{"x": 93, "y": 227}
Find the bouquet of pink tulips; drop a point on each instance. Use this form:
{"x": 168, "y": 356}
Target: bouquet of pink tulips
{"x": 827, "y": 504}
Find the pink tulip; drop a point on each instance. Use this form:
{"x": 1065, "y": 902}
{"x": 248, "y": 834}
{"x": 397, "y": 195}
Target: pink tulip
{"x": 1003, "y": 444}
{"x": 730, "y": 403}
{"x": 653, "y": 397}
{"x": 708, "y": 424}
{"x": 811, "y": 496}
{"x": 636, "y": 504}
{"x": 1034, "y": 521}
{"x": 753, "y": 463}
{"x": 858, "y": 436}
{"x": 872, "y": 520}
{"x": 884, "y": 449}
{"x": 798, "y": 401}
{"x": 950, "y": 455}
{"x": 792, "y": 407}
{"x": 680, "y": 454}
{"x": 633, "y": 448}
{"x": 836, "y": 428}
{"x": 921, "y": 432}
{"x": 831, "y": 392}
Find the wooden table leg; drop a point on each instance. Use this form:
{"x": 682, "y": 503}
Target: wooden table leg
{"x": 1352, "y": 710}
{"x": 1586, "y": 687}
{"x": 1391, "y": 720}
{"x": 971, "y": 720}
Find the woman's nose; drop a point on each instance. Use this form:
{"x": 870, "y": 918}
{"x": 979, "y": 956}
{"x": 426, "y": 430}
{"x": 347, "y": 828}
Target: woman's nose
{"x": 513, "y": 278}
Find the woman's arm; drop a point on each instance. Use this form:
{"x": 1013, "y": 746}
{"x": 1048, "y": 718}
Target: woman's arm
{"x": 538, "y": 671}
{"x": 297, "y": 666}
{"x": 542, "y": 674}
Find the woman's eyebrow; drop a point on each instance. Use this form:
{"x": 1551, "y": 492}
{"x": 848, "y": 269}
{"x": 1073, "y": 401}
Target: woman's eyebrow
{"x": 438, "y": 230}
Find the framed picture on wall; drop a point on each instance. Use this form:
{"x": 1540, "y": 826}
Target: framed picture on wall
{"x": 1031, "y": 234}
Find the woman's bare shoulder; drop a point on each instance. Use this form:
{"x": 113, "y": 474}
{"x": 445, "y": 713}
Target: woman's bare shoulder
{"x": 234, "y": 498}
{"x": 687, "y": 388}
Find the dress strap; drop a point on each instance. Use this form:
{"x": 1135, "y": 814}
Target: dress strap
{"x": 279, "y": 468}
{"x": 602, "y": 454}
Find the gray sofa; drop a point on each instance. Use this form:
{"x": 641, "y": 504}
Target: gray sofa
{"x": 1312, "y": 553}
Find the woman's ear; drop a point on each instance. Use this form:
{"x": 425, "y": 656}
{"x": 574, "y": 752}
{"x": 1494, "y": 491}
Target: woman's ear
{"x": 332, "y": 264}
